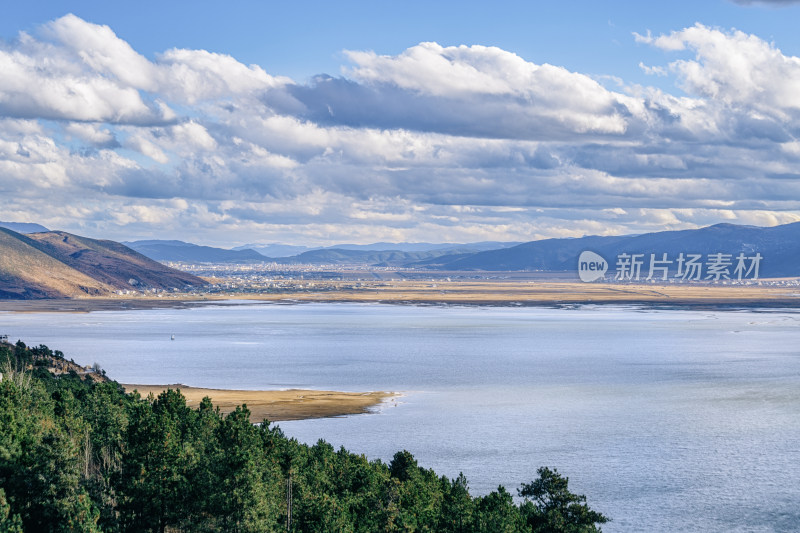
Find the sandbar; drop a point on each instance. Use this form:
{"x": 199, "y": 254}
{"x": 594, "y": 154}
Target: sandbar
{"x": 277, "y": 405}
{"x": 463, "y": 292}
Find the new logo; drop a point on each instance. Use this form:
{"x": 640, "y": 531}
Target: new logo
{"x": 591, "y": 266}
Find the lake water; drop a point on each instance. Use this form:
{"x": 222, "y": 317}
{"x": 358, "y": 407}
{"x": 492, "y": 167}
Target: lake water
{"x": 666, "y": 420}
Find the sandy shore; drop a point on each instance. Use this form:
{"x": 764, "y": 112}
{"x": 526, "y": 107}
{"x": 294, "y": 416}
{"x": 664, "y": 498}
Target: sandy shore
{"x": 504, "y": 293}
{"x": 293, "y": 404}
{"x": 548, "y": 294}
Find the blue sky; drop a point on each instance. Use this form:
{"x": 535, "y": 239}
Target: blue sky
{"x": 434, "y": 121}
{"x": 303, "y": 39}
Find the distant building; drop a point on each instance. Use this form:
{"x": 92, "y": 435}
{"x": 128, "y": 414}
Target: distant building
{"x": 3, "y": 338}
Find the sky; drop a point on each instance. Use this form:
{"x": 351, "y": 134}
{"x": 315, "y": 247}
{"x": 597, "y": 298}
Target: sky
{"x": 316, "y": 123}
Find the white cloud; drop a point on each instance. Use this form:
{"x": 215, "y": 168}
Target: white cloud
{"x": 497, "y": 88}
{"x": 103, "y": 52}
{"x": 84, "y": 71}
{"x": 454, "y": 143}
{"x": 193, "y": 135}
{"x": 27, "y": 91}
{"x": 91, "y": 133}
{"x": 652, "y": 71}
{"x": 144, "y": 146}
{"x": 735, "y": 68}
{"x": 54, "y": 81}
{"x": 195, "y": 75}
{"x": 434, "y": 69}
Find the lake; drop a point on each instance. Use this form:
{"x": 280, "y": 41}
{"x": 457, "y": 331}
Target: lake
{"x": 667, "y": 420}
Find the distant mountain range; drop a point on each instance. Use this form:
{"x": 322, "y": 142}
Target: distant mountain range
{"x": 376, "y": 254}
{"x": 277, "y": 251}
{"x": 23, "y": 227}
{"x": 56, "y": 264}
{"x": 179, "y": 251}
{"x": 342, "y": 256}
{"x": 778, "y": 246}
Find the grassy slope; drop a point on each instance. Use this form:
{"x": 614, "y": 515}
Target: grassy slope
{"x": 27, "y": 272}
{"x": 111, "y": 262}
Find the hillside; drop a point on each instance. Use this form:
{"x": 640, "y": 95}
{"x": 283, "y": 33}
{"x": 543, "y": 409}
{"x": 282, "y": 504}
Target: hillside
{"x": 377, "y": 254}
{"x": 28, "y": 273}
{"x": 274, "y": 250}
{"x": 547, "y": 254}
{"x": 341, "y": 256}
{"x": 58, "y": 265}
{"x": 778, "y": 245}
{"x": 179, "y": 251}
{"x": 423, "y": 246}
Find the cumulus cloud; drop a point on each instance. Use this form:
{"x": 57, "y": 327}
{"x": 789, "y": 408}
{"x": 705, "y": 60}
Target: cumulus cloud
{"x": 26, "y": 91}
{"x": 81, "y": 71}
{"x": 92, "y": 134}
{"x": 99, "y": 48}
{"x": 466, "y": 90}
{"x": 144, "y": 146}
{"x": 653, "y": 71}
{"x": 736, "y": 69}
{"x": 71, "y": 79}
{"x": 194, "y": 75}
{"x": 447, "y": 142}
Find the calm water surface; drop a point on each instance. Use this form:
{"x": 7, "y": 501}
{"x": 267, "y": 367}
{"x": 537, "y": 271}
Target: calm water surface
{"x": 666, "y": 420}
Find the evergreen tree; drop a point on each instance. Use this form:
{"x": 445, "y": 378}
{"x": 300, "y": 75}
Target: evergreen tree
{"x": 9, "y": 523}
{"x": 496, "y": 513}
{"x": 76, "y": 455}
{"x": 245, "y": 499}
{"x": 153, "y": 480}
{"x": 552, "y": 508}
{"x": 458, "y": 508}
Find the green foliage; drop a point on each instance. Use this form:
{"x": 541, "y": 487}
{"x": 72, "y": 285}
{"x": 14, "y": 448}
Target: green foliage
{"x": 551, "y": 508}
{"x": 496, "y": 513}
{"x": 80, "y": 455}
{"x": 246, "y": 492}
{"x": 8, "y": 523}
{"x": 154, "y": 476}
{"x": 458, "y": 507}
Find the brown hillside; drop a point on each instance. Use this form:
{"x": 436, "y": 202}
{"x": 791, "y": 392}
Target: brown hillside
{"x": 111, "y": 262}
{"x": 56, "y": 264}
{"x": 28, "y": 273}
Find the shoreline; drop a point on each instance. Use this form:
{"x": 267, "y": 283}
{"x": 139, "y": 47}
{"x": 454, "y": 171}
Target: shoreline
{"x": 276, "y": 405}
{"x": 499, "y": 294}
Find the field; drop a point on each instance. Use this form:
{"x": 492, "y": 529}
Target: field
{"x": 470, "y": 292}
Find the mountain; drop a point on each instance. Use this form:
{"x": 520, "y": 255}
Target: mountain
{"x": 275, "y": 250}
{"x": 278, "y": 251}
{"x": 779, "y": 247}
{"x": 185, "y": 252}
{"x": 334, "y": 256}
{"x": 23, "y": 227}
{"x": 375, "y": 254}
{"x": 56, "y": 264}
{"x": 547, "y": 254}
{"x": 26, "y": 272}
{"x": 378, "y": 258}
{"x": 386, "y": 254}
{"x": 423, "y": 246}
